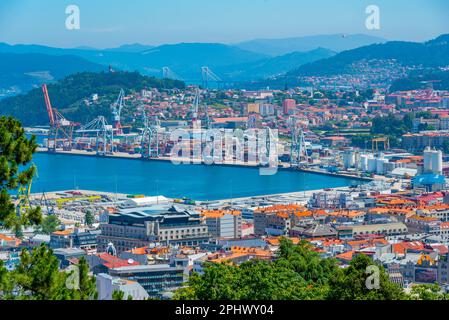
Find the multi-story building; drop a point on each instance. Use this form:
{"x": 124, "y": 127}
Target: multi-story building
{"x": 443, "y": 269}
{"x": 61, "y": 239}
{"x": 106, "y": 285}
{"x": 252, "y": 108}
{"x": 138, "y": 227}
{"x": 75, "y": 238}
{"x": 385, "y": 229}
{"x": 419, "y": 141}
{"x": 155, "y": 279}
{"x": 288, "y": 105}
{"x": 423, "y": 224}
{"x": 224, "y": 223}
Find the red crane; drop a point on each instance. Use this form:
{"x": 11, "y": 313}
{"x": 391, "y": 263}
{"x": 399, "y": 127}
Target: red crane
{"x": 59, "y": 126}
{"x": 48, "y": 105}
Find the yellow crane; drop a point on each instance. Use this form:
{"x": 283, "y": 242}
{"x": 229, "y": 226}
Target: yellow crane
{"x": 23, "y": 195}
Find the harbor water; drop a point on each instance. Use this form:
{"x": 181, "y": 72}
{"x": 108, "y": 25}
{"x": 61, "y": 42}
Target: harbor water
{"x": 198, "y": 182}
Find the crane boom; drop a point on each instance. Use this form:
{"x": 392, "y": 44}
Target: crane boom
{"x": 117, "y": 110}
{"x": 48, "y": 105}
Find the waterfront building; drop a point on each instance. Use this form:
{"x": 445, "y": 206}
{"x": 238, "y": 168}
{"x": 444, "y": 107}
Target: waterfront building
{"x": 139, "y": 227}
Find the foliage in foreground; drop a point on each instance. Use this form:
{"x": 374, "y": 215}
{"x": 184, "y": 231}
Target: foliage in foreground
{"x": 298, "y": 273}
{"x": 37, "y": 277}
{"x": 16, "y": 153}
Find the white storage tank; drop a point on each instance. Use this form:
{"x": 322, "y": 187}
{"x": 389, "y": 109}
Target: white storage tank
{"x": 433, "y": 161}
{"x": 364, "y": 162}
{"x": 437, "y": 162}
{"x": 427, "y": 160}
{"x": 380, "y": 165}
{"x": 348, "y": 159}
{"x": 372, "y": 164}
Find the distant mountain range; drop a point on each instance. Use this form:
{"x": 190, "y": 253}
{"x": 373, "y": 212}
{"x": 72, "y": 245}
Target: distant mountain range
{"x": 433, "y": 53}
{"x": 23, "y": 71}
{"x": 245, "y": 61}
{"x": 333, "y": 42}
{"x": 275, "y": 66}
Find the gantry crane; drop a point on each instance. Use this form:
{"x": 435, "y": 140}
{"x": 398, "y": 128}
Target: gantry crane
{"x": 150, "y": 136}
{"x": 104, "y": 135}
{"x": 117, "y": 111}
{"x": 195, "y": 110}
{"x": 298, "y": 148}
{"x": 61, "y": 129}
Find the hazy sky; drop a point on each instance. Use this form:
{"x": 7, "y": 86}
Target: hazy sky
{"x": 108, "y": 23}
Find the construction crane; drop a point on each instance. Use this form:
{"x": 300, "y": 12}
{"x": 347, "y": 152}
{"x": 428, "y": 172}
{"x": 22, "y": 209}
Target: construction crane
{"x": 117, "y": 111}
{"x": 150, "y": 137}
{"x": 298, "y": 148}
{"x": 208, "y": 75}
{"x": 104, "y": 134}
{"x": 61, "y": 129}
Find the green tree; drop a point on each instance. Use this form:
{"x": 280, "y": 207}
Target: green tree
{"x": 87, "y": 286}
{"x": 118, "y": 295}
{"x": 428, "y": 292}
{"x": 6, "y": 284}
{"x": 50, "y": 224}
{"x": 37, "y": 277}
{"x": 16, "y": 151}
{"x": 89, "y": 218}
{"x": 350, "y": 283}
{"x": 297, "y": 274}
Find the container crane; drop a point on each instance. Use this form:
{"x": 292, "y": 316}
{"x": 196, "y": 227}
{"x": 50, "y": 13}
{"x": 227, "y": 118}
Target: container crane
{"x": 104, "y": 133}
{"x": 61, "y": 129}
{"x": 195, "y": 110}
{"x": 117, "y": 111}
{"x": 150, "y": 137}
{"x": 298, "y": 147}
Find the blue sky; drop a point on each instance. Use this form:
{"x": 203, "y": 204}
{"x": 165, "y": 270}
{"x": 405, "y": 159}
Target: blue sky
{"x": 109, "y": 23}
